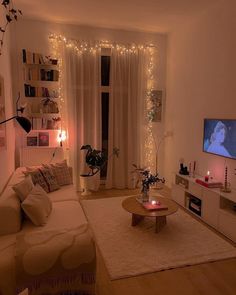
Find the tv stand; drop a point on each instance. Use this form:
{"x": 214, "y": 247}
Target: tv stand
{"x": 216, "y": 208}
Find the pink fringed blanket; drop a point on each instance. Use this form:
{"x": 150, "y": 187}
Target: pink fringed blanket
{"x": 56, "y": 262}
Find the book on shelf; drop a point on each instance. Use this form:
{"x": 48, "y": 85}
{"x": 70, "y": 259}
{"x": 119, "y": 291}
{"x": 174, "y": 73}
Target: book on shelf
{"x": 31, "y": 74}
{"x": 33, "y": 91}
{"x": 49, "y": 75}
{"x": 37, "y": 58}
{"x": 34, "y": 74}
{"x": 210, "y": 183}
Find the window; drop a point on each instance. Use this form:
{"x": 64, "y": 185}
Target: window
{"x": 105, "y": 90}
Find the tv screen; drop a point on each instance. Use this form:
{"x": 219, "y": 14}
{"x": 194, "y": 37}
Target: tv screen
{"x": 220, "y": 137}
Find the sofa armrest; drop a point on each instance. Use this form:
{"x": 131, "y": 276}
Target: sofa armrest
{"x": 10, "y": 212}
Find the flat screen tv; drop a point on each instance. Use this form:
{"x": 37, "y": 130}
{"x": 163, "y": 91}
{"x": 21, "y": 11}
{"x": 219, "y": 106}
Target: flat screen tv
{"x": 220, "y": 137}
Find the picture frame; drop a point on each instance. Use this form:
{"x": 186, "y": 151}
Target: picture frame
{"x": 32, "y": 141}
{"x": 155, "y": 112}
{"x": 43, "y": 139}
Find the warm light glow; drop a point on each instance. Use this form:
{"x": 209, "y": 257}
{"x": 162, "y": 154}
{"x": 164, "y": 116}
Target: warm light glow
{"x": 61, "y": 136}
{"x": 154, "y": 202}
{"x": 80, "y": 47}
{"x": 208, "y": 173}
{"x": 149, "y": 145}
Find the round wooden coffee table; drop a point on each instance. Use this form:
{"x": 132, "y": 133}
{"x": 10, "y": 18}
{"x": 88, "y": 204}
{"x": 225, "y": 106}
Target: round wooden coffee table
{"x": 139, "y": 212}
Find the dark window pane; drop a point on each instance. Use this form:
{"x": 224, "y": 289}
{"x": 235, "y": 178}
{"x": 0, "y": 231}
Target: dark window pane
{"x": 105, "y": 70}
{"x": 105, "y": 127}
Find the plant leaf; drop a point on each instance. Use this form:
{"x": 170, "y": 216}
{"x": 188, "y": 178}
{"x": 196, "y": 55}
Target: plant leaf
{"x": 13, "y": 11}
{"x": 5, "y": 3}
{"x": 86, "y": 147}
{"x": 9, "y": 19}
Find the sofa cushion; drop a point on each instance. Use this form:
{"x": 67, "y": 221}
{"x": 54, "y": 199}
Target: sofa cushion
{"x": 23, "y": 188}
{"x": 10, "y": 212}
{"x": 65, "y": 193}
{"x": 61, "y": 172}
{"x": 19, "y": 175}
{"x": 44, "y": 177}
{"x": 37, "y": 206}
{"x": 64, "y": 215}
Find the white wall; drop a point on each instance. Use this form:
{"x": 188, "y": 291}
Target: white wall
{"x": 200, "y": 84}
{"x": 7, "y": 158}
{"x": 33, "y": 35}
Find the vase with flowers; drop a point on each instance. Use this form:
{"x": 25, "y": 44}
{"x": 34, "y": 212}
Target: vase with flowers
{"x": 148, "y": 180}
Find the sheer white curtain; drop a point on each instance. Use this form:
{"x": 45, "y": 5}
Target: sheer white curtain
{"x": 82, "y": 93}
{"x": 126, "y": 115}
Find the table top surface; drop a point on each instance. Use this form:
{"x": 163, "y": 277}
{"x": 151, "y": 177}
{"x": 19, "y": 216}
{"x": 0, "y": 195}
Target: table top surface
{"x": 131, "y": 205}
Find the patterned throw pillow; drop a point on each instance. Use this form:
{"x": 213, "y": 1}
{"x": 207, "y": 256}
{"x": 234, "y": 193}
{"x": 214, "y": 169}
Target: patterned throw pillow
{"x": 45, "y": 178}
{"x": 61, "y": 171}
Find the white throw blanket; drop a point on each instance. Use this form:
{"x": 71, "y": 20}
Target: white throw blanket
{"x": 55, "y": 261}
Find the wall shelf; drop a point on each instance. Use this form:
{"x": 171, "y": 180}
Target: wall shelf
{"x": 40, "y": 81}
{"x": 40, "y": 65}
{"x": 44, "y": 115}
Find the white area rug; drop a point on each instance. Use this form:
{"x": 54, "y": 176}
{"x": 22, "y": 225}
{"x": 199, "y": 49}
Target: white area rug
{"x": 130, "y": 251}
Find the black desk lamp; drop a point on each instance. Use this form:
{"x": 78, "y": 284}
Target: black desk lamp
{"x": 24, "y": 122}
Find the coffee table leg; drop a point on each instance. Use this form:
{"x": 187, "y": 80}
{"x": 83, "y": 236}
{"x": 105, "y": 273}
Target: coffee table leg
{"x": 160, "y": 223}
{"x": 136, "y": 219}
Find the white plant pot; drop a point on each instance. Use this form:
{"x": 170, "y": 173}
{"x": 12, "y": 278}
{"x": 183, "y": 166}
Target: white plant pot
{"x": 89, "y": 183}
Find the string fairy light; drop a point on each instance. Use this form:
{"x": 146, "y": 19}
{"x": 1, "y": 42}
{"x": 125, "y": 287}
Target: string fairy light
{"x": 56, "y": 51}
{"x": 81, "y": 47}
{"x": 149, "y": 144}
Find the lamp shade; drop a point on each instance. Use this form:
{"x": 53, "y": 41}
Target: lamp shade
{"x": 24, "y": 123}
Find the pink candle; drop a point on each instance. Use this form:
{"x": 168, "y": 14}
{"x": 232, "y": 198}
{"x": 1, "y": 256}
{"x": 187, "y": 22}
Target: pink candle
{"x": 207, "y": 176}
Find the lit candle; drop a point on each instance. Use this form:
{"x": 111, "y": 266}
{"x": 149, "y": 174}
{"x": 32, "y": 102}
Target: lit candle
{"x": 153, "y": 202}
{"x": 207, "y": 176}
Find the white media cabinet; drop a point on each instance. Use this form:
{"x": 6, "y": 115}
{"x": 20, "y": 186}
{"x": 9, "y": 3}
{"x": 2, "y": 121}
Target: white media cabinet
{"x": 216, "y": 208}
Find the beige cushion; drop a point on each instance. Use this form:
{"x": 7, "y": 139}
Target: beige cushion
{"x": 44, "y": 177}
{"x": 64, "y": 215}
{"x": 23, "y": 188}
{"x": 61, "y": 172}
{"x": 10, "y": 212}
{"x": 37, "y": 206}
{"x": 65, "y": 193}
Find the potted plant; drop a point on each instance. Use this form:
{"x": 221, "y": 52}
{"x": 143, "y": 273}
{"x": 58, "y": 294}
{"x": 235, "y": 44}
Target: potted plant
{"x": 147, "y": 180}
{"x": 96, "y": 160}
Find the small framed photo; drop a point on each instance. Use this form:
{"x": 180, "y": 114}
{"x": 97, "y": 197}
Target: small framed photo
{"x": 32, "y": 140}
{"x": 43, "y": 139}
{"x": 155, "y": 113}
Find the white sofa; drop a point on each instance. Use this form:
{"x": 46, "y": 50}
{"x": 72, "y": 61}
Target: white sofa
{"x": 66, "y": 218}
